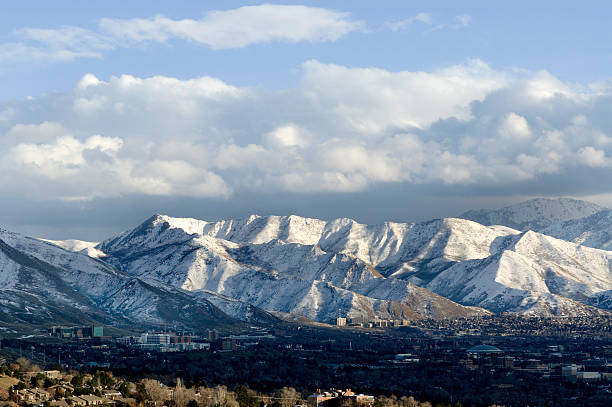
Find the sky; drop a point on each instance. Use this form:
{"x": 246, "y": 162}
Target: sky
{"x": 113, "y": 111}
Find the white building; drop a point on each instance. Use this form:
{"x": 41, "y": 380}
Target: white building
{"x": 155, "y": 339}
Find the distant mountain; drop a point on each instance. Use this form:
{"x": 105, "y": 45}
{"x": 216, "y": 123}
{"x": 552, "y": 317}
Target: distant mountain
{"x": 593, "y": 231}
{"x": 42, "y": 284}
{"x": 535, "y": 214}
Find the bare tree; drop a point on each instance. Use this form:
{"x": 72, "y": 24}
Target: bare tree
{"x": 155, "y": 390}
{"x": 25, "y": 365}
{"x": 288, "y": 397}
{"x": 182, "y": 395}
{"x": 221, "y": 397}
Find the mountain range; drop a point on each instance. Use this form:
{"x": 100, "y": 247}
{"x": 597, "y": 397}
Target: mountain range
{"x": 541, "y": 257}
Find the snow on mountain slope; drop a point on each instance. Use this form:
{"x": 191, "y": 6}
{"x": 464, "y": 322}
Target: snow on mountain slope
{"x": 534, "y": 214}
{"x": 321, "y": 269}
{"x": 88, "y": 248}
{"x": 273, "y": 274}
{"x": 391, "y": 248}
{"x": 593, "y": 231}
{"x": 71, "y": 287}
{"x": 32, "y": 292}
{"x": 531, "y": 273}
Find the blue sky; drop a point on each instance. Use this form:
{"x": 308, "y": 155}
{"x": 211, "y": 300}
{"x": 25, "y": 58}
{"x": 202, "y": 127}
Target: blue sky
{"x": 569, "y": 41}
{"x": 412, "y": 110}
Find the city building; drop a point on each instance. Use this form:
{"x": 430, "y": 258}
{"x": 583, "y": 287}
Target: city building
{"x": 484, "y": 350}
{"x": 76, "y": 332}
{"x": 336, "y": 397}
{"x": 155, "y": 339}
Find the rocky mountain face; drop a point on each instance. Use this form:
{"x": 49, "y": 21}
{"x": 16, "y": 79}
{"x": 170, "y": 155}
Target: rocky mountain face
{"x": 199, "y": 273}
{"x": 535, "y": 214}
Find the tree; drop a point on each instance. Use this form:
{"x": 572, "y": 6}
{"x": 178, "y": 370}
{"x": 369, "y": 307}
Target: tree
{"x": 288, "y": 397}
{"x": 20, "y": 386}
{"x": 24, "y": 364}
{"x": 245, "y": 397}
{"x": 155, "y": 390}
{"x": 77, "y": 381}
{"x": 182, "y": 395}
{"x": 141, "y": 394}
{"x": 123, "y": 388}
{"x": 220, "y": 397}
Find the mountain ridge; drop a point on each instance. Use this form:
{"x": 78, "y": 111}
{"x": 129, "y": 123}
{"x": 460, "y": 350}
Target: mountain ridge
{"x": 414, "y": 253}
{"x": 255, "y": 268}
{"x": 534, "y": 214}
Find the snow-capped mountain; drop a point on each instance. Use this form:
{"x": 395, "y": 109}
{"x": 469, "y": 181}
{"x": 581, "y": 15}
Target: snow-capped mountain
{"x": 593, "y": 231}
{"x": 295, "y": 275}
{"x": 534, "y": 214}
{"x": 42, "y": 284}
{"x": 199, "y": 273}
{"x": 321, "y": 269}
{"x": 531, "y": 273}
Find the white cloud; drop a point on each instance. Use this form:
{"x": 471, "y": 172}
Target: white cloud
{"x": 341, "y": 130}
{"x": 462, "y": 20}
{"x": 235, "y": 28}
{"x": 35, "y": 133}
{"x": 593, "y": 157}
{"x": 240, "y": 27}
{"x": 62, "y": 158}
{"x": 398, "y": 25}
{"x": 87, "y": 81}
{"x": 515, "y": 127}
{"x": 370, "y": 100}
{"x": 287, "y": 136}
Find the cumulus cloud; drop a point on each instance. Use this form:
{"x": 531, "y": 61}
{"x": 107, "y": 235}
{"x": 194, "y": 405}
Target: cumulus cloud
{"x": 370, "y": 99}
{"x": 514, "y": 127}
{"x": 288, "y": 136}
{"x": 593, "y": 157}
{"x": 341, "y": 130}
{"x": 235, "y": 28}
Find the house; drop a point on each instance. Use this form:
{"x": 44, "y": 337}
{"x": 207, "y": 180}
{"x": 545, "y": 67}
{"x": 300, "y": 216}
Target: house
{"x": 53, "y": 374}
{"x": 58, "y": 403}
{"x": 337, "y": 397}
{"x": 112, "y": 394}
{"x": 93, "y": 400}
{"x": 588, "y": 376}
{"x": 32, "y": 396}
{"x": 61, "y": 389}
{"x": 78, "y": 401}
